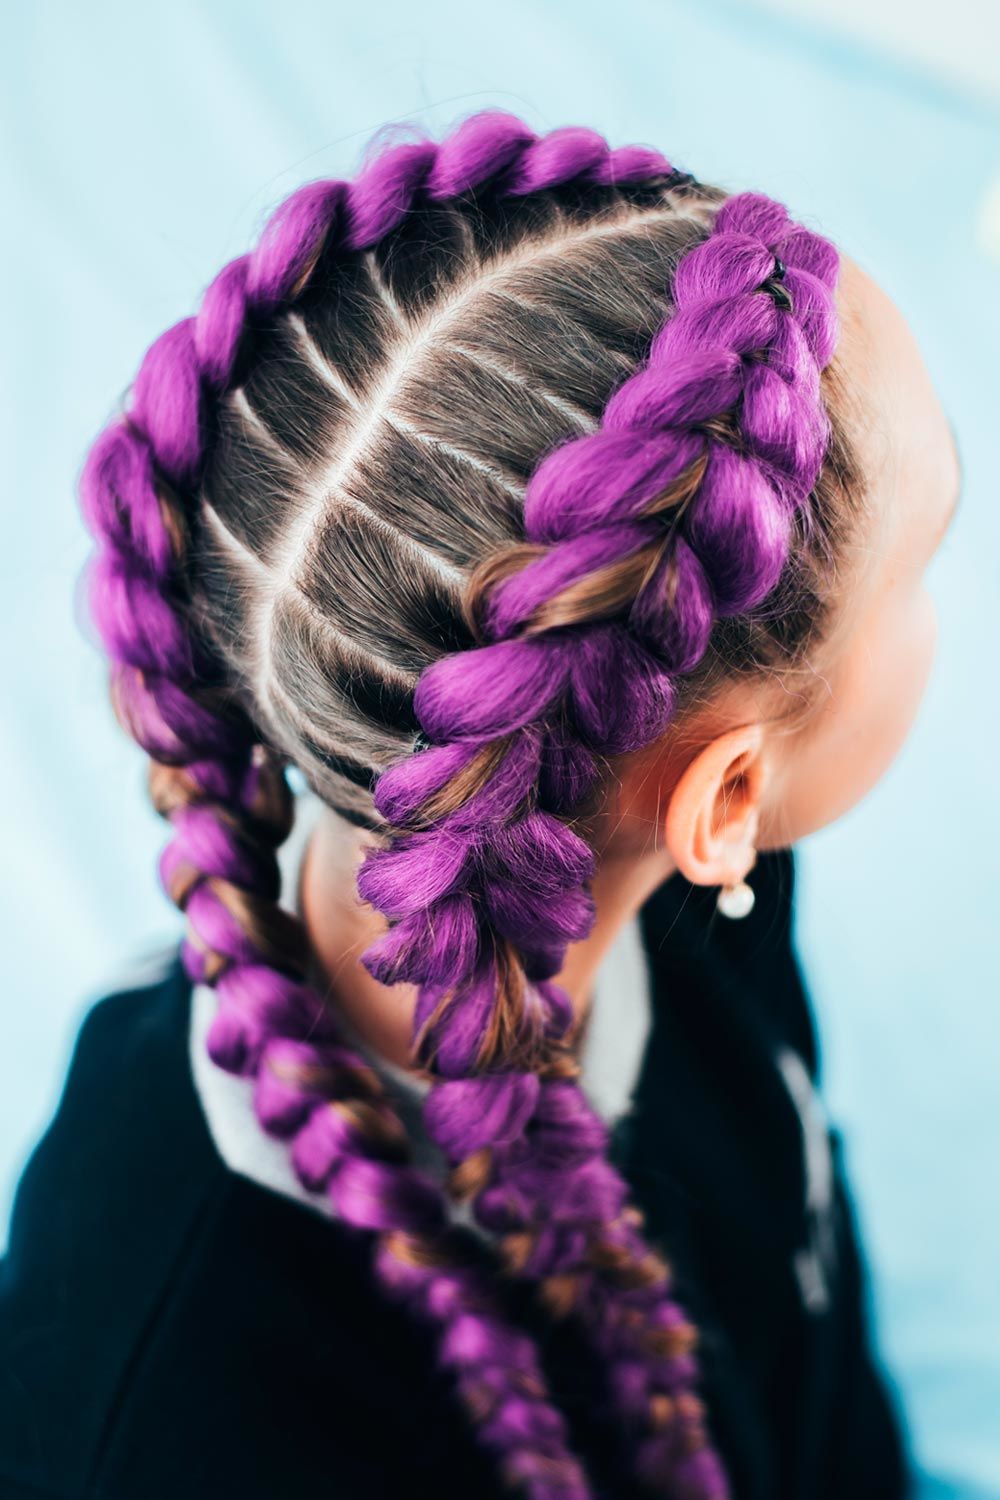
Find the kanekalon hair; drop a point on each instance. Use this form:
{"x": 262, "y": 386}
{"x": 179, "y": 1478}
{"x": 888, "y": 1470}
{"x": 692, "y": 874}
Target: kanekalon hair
{"x": 455, "y": 488}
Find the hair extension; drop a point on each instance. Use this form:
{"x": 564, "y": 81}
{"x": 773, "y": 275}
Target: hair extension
{"x": 502, "y": 887}
{"x": 674, "y": 507}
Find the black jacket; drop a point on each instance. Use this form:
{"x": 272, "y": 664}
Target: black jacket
{"x": 169, "y": 1328}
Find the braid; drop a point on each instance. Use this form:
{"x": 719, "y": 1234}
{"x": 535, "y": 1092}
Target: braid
{"x": 229, "y": 805}
{"x": 689, "y": 490}
{"x": 674, "y": 513}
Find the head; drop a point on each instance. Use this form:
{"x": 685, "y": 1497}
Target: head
{"x": 550, "y": 511}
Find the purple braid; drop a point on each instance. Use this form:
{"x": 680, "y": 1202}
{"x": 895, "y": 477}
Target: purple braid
{"x": 228, "y": 801}
{"x": 729, "y": 396}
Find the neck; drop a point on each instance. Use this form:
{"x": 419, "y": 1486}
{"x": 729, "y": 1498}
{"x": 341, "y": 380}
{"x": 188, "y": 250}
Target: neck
{"x": 340, "y": 927}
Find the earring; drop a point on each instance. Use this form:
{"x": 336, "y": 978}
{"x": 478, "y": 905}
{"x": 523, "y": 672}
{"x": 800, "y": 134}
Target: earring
{"x": 736, "y": 901}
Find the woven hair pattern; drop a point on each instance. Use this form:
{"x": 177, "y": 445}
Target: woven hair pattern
{"x": 483, "y": 901}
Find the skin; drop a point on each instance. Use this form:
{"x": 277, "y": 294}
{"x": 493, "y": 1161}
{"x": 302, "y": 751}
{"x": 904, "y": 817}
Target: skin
{"x": 743, "y": 773}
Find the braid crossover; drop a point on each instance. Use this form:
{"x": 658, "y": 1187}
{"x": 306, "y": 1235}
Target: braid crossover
{"x": 482, "y": 898}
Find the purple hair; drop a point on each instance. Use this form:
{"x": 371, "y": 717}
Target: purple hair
{"x": 483, "y": 898}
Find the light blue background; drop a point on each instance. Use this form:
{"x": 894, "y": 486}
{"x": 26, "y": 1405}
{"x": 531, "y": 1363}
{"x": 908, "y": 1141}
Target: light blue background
{"x": 142, "y": 148}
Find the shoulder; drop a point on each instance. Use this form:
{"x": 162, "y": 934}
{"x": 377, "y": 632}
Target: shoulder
{"x": 167, "y": 1324}
{"x": 119, "y": 1092}
{"x": 99, "y": 1217}
{"x": 123, "y": 1115}
{"x": 740, "y": 1176}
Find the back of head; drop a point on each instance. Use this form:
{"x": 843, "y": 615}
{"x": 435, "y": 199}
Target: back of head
{"x": 376, "y": 445}
{"x": 465, "y": 482}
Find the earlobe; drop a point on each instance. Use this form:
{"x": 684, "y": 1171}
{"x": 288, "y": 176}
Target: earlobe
{"x": 714, "y": 812}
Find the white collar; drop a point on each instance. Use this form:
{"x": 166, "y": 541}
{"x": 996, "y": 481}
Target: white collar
{"x": 614, "y": 1045}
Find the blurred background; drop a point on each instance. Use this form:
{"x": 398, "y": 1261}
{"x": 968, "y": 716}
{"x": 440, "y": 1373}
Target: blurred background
{"x": 143, "y": 146}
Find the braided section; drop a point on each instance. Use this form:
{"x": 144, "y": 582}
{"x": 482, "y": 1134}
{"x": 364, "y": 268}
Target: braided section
{"x": 229, "y": 806}
{"x": 676, "y": 512}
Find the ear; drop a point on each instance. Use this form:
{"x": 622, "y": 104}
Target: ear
{"x": 714, "y": 811}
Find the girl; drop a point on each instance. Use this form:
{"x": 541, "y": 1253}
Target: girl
{"x": 559, "y": 521}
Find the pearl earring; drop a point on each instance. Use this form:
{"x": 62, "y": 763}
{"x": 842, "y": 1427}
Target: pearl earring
{"x": 736, "y": 901}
